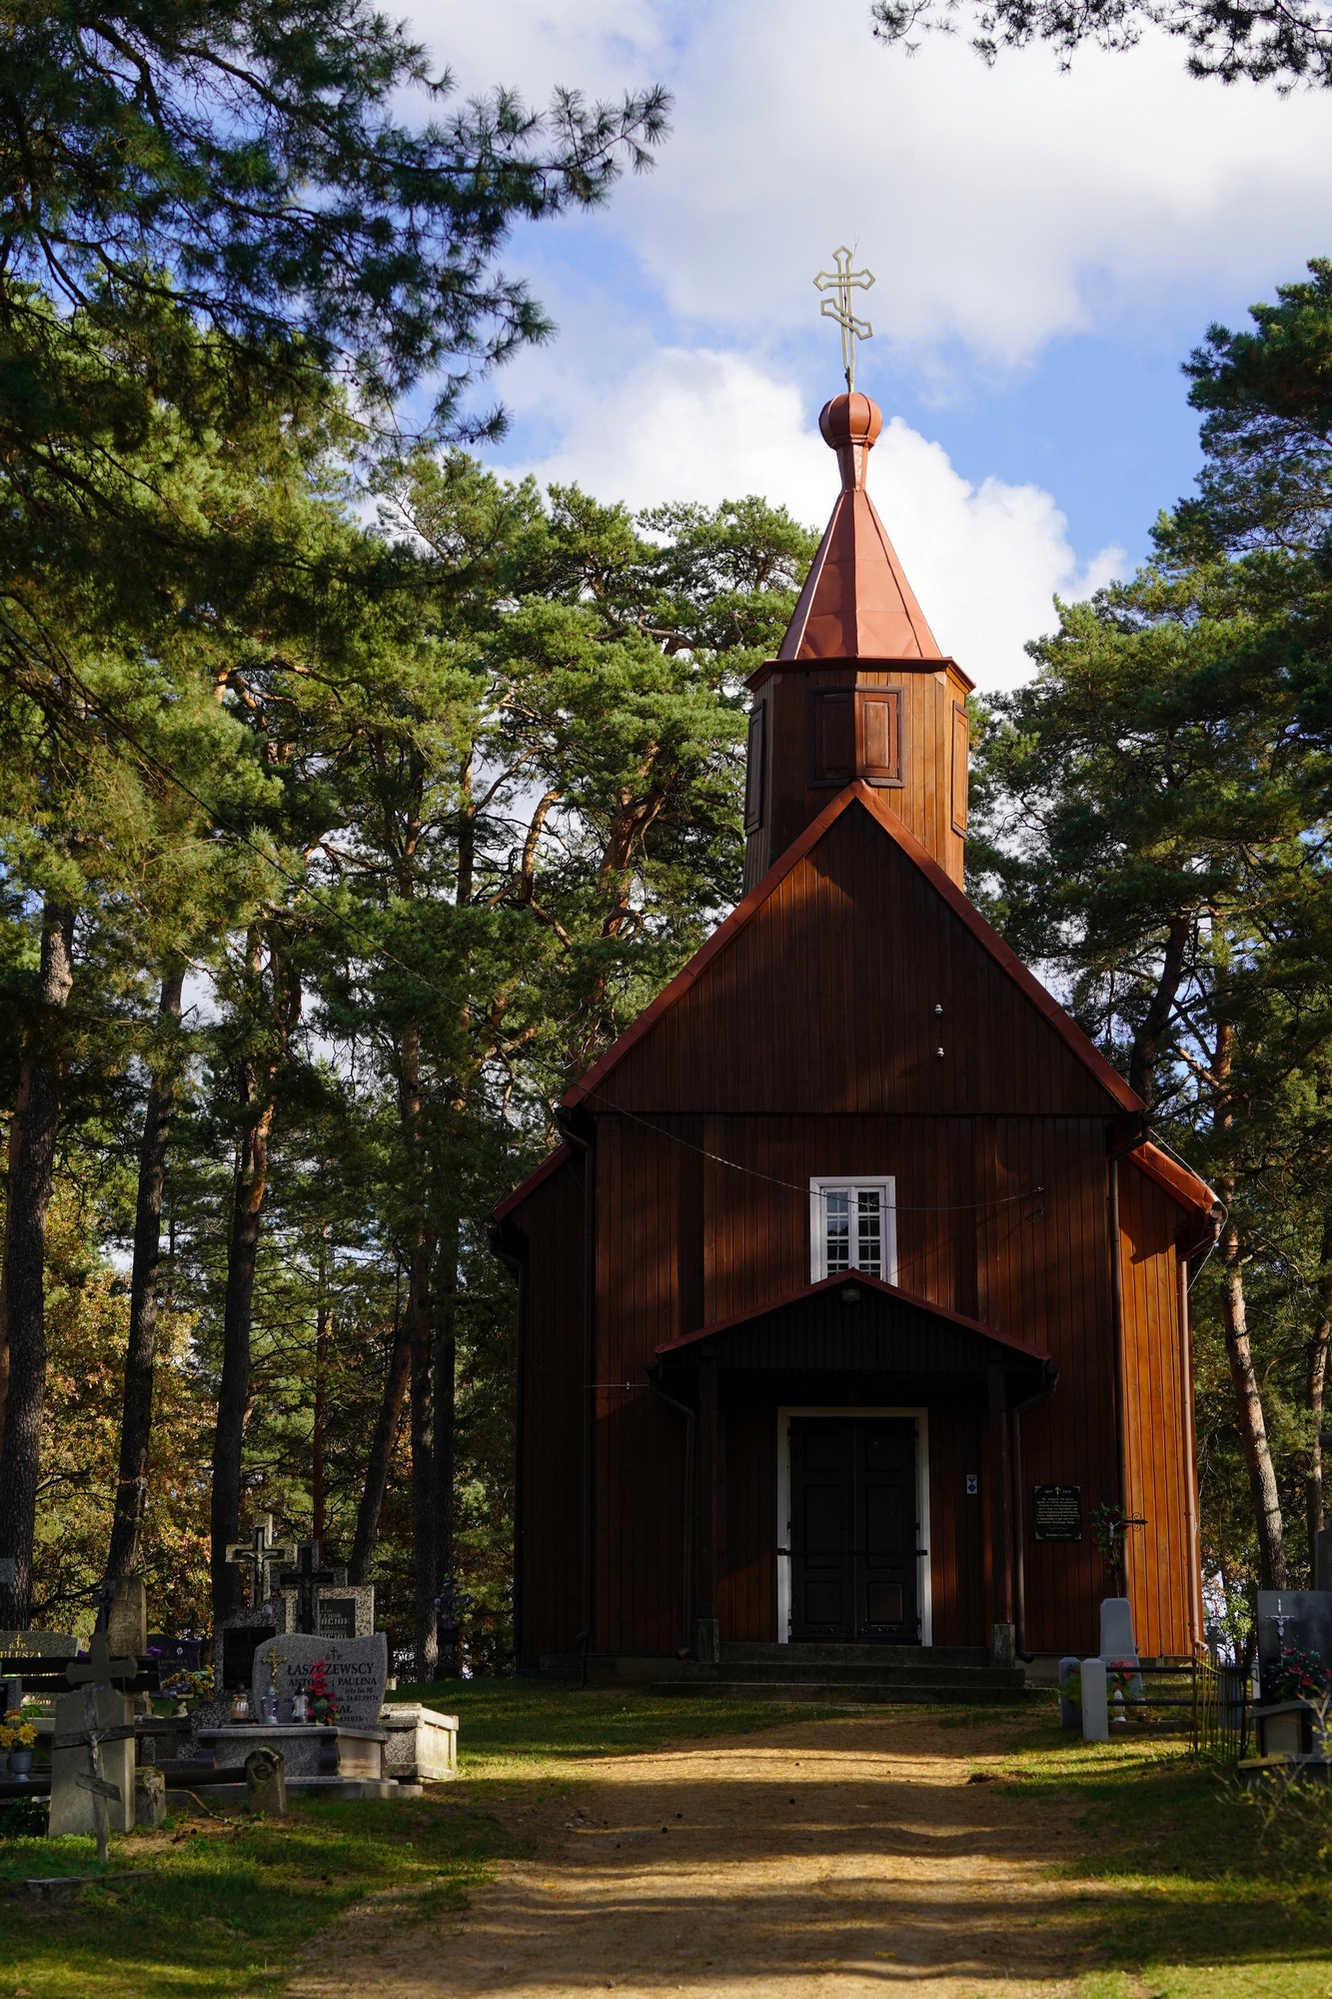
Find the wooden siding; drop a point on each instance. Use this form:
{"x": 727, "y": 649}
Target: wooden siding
{"x": 678, "y": 1230}
{"x": 747, "y": 1579}
{"x": 1161, "y": 1558}
{"x": 929, "y": 744}
{"x": 550, "y": 1490}
{"x": 824, "y": 1001}
{"x": 805, "y": 1047}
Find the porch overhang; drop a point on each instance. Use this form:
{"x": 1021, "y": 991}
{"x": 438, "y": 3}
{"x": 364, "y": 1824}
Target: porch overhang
{"x": 856, "y": 1326}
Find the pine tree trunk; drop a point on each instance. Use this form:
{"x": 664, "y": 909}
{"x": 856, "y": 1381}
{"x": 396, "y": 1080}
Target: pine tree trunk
{"x": 320, "y": 1394}
{"x": 22, "y": 1274}
{"x": 418, "y": 1320}
{"x": 1249, "y": 1411}
{"x": 136, "y": 1423}
{"x": 381, "y": 1452}
{"x": 1318, "y": 1352}
{"x": 256, "y": 1075}
{"x": 445, "y": 1399}
{"x": 234, "y": 1389}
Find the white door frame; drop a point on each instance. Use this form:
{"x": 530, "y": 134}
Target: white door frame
{"x": 923, "y": 1590}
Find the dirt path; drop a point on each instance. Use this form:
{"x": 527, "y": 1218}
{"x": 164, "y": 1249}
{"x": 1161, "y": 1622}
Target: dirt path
{"x": 838, "y": 1857}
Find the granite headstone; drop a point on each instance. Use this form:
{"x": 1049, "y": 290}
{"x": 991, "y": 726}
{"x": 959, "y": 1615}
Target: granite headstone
{"x": 1301, "y": 1618}
{"x": 356, "y": 1669}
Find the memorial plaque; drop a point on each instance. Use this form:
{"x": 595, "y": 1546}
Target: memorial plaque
{"x": 337, "y": 1616}
{"x": 1058, "y": 1512}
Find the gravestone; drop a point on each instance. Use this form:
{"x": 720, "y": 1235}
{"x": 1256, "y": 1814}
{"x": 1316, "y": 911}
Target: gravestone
{"x": 127, "y": 1618}
{"x": 265, "y": 1782}
{"x": 92, "y": 1749}
{"x": 1117, "y": 1640}
{"x": 357, "y": 1671}
{"x": 38, "y": 1645}
{"x": 239, "y": 1645}
{"x": 150, "y": 1798}
{"x": 342, "y": 1610}
{"x": 421, "y": 1742}
{"x": 182, "y": 1655}
{"x": 1301, "y": 1618}
{"x": 302, "y": 1585}
{"x": 259, "y": 1554}
{"x": 1095, "y": 1704}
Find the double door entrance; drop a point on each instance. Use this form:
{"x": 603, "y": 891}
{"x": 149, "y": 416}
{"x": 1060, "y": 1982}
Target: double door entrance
{"x": 853, "y": 1529}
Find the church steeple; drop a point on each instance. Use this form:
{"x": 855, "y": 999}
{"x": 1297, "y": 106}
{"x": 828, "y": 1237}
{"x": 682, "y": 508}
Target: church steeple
{"x": 856, "y": 603}
{"x": 859, "y": 688}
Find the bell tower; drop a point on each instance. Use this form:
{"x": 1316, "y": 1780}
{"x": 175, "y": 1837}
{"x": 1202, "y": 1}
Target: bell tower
{"x": 859, "y": 687}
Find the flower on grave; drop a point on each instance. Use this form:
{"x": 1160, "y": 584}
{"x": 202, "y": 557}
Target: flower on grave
{"x": 1119, "y": 1675}
{"x": 15, "y": 1732}
{"x": 183, "y": 1682}
{"x": 323, "y": 1703}
{"x": 1300, "y": 1676}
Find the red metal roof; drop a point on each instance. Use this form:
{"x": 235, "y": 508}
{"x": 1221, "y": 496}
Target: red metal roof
{"x": 866, "y": 796}
{"x": 1179, "y": 1181}
{"x": 856, "y": 603}
{"x": 859, "y": 1277}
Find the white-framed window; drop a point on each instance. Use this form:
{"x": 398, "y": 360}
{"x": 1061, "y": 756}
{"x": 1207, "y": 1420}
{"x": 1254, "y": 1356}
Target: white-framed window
{"x": 853, "y": 1226}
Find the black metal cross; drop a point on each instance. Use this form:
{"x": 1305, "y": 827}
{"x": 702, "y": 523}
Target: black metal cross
{"x": 305, "y": 1579}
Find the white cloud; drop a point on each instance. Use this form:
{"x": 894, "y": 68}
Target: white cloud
{"x": 984, "y": 560}
{"x": 999, "y": 207}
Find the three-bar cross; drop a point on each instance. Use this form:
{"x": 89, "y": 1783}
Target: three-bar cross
{"x": 843, "y": 281}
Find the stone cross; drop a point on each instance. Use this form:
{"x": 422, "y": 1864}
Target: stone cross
{"x": 258, "y": 1554}
{"x": 305, "y": 1579}
{"x": 95, "y": 1675}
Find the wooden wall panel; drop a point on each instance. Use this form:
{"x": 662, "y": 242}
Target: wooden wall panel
{"x": 825, "y": 1001}
{"x": 930, "y": 742}
{"x": 957, "y": 1522}
{"x": 747, "y": 1582}
{"x": 1156, "y": 1429}
{"x": 808, "y": 1048}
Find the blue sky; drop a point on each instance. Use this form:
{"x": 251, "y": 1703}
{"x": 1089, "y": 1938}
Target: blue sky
{"x": 1048, "y": 247}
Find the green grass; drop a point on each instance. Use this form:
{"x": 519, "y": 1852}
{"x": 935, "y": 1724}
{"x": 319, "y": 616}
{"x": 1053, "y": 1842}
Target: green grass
{"x": 230, "y": 1904}
{"x": 1178, "y": 1886}
{"x": 1198, "y": 1890}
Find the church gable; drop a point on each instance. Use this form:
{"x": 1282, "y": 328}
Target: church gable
{"x": 834, "y": 987}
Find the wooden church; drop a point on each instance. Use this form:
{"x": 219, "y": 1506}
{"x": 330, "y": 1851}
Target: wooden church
{"x": 856, "y": 1285}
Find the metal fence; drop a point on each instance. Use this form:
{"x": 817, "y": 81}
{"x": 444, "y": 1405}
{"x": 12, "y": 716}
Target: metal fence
{"x": 1221, "y": 1699}
{"x": 1195, "y": 1697}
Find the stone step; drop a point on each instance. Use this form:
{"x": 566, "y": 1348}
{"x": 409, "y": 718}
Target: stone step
{"x": 737, "y": 1653}
{"x": 850, "y": 1673}
{"x": 953, "y": 1690}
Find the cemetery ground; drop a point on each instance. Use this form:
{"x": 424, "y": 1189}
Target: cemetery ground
{"x": 606, "y": 1839}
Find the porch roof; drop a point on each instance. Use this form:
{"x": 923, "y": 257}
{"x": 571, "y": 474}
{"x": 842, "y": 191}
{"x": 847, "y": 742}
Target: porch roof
{"x": 855, "y": 1323}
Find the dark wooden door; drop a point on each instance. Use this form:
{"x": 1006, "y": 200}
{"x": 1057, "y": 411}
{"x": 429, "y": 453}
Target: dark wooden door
{"x": 853, "y": 1529}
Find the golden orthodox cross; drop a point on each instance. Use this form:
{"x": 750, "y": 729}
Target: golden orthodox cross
{"x": 843, "y": 281}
